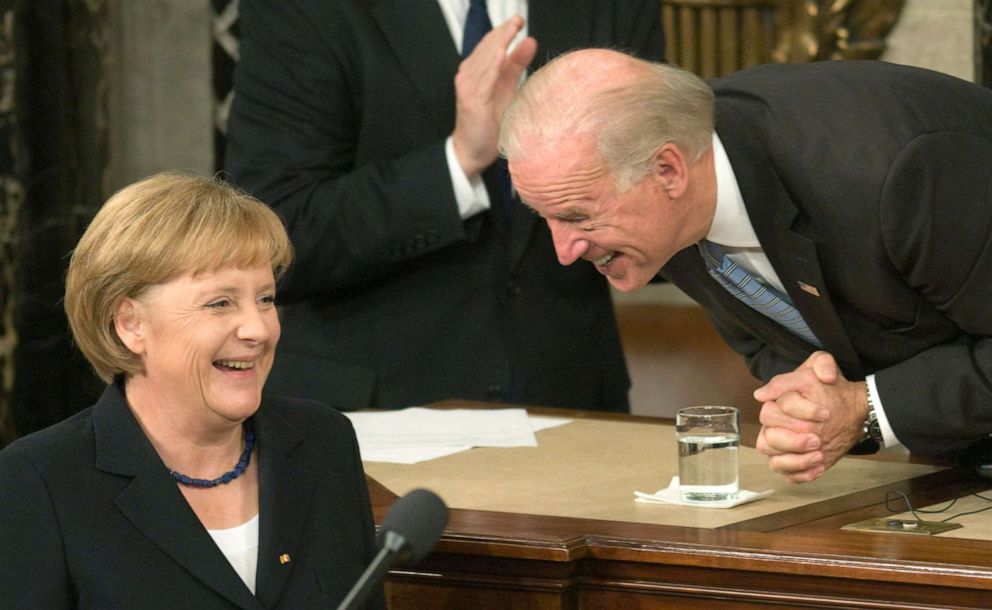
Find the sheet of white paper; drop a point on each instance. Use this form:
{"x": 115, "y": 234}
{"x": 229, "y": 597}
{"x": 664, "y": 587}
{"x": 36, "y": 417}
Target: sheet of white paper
{"x": 378, "y": 443}
{"x": 407, "y": 455}
{"x": 543, "y": 422}
{"x": 422, "y": 427}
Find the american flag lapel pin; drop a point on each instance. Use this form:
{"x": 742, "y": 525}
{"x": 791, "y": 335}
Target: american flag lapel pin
{"x": 808, "y": 288}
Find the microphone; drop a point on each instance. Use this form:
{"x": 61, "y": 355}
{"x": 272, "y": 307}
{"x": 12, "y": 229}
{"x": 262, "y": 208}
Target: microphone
{"x": 409, "y": 531}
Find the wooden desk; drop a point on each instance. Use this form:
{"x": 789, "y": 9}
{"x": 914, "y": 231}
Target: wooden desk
{"x": 794, "y": 559}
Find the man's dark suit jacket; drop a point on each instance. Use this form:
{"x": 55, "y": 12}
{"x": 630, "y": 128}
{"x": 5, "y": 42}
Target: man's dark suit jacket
{"x": 90, "y": 518}
{"x": 870, "y": 185}
{"x": 339, "y": 119}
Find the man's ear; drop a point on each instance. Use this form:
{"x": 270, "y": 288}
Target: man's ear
{"x": 669, "y": 167}
{"x": 129, "y": 324}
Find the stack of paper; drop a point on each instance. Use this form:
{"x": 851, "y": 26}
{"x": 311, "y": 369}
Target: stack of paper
{"x": 416, "y": 434}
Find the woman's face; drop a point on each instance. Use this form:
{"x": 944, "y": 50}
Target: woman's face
{"x": 207, "y": 341}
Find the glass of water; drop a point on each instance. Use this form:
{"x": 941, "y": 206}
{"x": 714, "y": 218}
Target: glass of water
{"x": 708, "y": 439}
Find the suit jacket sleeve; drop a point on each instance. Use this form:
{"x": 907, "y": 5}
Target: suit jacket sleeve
{"x": 36, "y": 576}
{"x": 936, "y": 226}
{"x": 295, "y": 135}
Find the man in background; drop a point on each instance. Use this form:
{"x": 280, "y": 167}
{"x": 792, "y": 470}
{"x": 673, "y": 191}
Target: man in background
{"x": 418, "y": 276}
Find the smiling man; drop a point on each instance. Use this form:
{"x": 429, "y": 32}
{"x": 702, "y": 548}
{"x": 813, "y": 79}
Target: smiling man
{"x": 834, "y": 219}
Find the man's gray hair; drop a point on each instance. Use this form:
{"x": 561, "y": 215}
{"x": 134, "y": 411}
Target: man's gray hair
{"x": 631, "y": 107}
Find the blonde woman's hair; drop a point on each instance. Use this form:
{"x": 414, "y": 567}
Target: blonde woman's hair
{"x": 152, "y": 231}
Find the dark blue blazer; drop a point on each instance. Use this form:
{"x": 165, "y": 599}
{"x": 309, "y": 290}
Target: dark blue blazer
{"x": 90, "y": 518}
{"x": 869, "y": 187}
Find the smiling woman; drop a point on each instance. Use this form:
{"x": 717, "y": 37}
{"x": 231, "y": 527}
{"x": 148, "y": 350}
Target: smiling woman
{"x": 182, "y": 487}
{"x": 206, "y": 343}
{"x": 153, "y": 231}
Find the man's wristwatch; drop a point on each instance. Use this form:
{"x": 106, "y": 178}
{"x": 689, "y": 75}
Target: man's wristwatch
{"x": 870, "y": 429}
{"x": 871, "y": 434}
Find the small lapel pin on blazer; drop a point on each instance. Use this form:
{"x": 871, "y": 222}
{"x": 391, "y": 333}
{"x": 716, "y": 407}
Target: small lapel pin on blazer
{"x": 284, "y": 558}
{"x": 808, "y": 288}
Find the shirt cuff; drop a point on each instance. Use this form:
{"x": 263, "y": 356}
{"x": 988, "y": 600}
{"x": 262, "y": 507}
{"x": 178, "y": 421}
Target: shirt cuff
{"x": 470, "y": 194}
{"x": 888, "y": 436}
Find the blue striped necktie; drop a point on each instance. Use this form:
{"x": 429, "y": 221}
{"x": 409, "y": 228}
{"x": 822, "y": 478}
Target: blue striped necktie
{"x": 754, "y": 293}
{"x": 477, "y": 25}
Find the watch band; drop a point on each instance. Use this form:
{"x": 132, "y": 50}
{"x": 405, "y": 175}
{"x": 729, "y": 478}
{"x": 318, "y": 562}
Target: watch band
{"x": 870, "y": 428}
{"x": 871, "y": 433}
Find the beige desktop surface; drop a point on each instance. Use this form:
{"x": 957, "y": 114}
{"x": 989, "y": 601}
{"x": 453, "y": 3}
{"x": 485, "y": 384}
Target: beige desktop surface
{"x": 591, "y": 468}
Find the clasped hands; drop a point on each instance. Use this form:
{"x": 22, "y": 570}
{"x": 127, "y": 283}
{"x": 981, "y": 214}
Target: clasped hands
{"x": 484, "y": 86}
{"x": 810, "y": 418}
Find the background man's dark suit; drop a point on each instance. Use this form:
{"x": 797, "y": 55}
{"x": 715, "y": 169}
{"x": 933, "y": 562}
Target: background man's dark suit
{"x": 90, "y": 512}
{"x": 339, "y": 121}
{"x": 872, "y": 184}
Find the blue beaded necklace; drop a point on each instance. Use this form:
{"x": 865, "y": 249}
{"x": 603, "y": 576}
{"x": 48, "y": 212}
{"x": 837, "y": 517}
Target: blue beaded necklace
{"x": 228, "y": 476}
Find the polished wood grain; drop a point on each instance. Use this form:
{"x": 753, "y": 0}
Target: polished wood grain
{"x": 794, "y": 559}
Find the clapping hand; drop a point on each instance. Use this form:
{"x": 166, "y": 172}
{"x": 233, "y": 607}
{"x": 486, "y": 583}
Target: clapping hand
{"x": 485, "y": 84}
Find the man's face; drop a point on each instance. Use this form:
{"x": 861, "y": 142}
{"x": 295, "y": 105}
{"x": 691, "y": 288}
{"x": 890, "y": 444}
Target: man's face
{"x": 628, "y": 236}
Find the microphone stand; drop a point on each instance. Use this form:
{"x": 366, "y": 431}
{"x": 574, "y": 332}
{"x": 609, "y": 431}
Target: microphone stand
{"x": 392, "y": 544}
